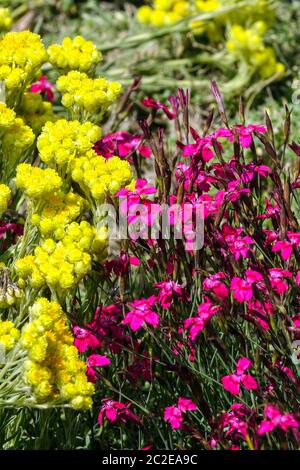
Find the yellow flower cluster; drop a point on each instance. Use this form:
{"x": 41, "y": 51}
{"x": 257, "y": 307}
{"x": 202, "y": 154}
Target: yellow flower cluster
{"x": 61, "y": 265}
{"x": 206, "y": 6}
{"x": 91, "y": 95}
{"x": 9, "y": 335}
{"x": 74, "y": 54}
{"x": 62, "y": 141}
{"x": 246, "y": 15}
{"x": 15, "y": 135}
{"x": 22, "y": 54}
{"x": 4, "y": 197}
{"x": 5, "y": 19}
{"x": 213, "y": 29}
{"x": 59, "y": 210}
{"x": 36, "y": 182}
{"x": 7, "y": 117}
{"x": 99, "y": 176}
{"x": 260, "y": 10}
{"x": 36, "y": 112}
{"x": 53, "y": 369}
{"x": 164, "y": 12}
{"x": 17, "y": 138}
{"x": 248, "y": 44}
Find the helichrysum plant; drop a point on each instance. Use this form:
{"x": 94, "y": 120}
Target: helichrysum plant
{"x": 53, "y": 180}
{"x": 239, "y": 33}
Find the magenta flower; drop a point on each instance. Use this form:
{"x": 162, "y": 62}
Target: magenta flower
{"x": 84, "y": 339}
{"x": 232, "y": 382}
{"x": 121, "y": 144}
{"x": 202, "y": 147}
{"x": 197, "y": 324}
{"x": 121, "y": 264}
{"x": 44, "y": 87}
{"x": 284, "y": 421}
{"x": 141, "y": 189}
{"x": 95, "y": 360}
{"x": 242, "y": 290}
{"x": 285, "y": 248}
{"x": 244, "y": 133}
{"x": 271, "y": 211}
{"x": 151, "y": 103}
{"x": 296, "y": 320}
{"x": 131, "y": 201}
{"x": 234, "y": 422}
{"x": 238, "y": 245}
{"x": 142, "y": 314}
{"x": 173, "y": 414}
{"x": 186, "y": 404}
{"x": 214, "y": 283}
{"x": 261, "y": 311}
{"x": 114, "y": 410}
{"x": 277, "y": 278}
{"x": 169, "y": 291}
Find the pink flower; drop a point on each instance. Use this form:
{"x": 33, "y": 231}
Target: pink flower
{"x": 43, "y": 86}
{"x": 277, "y": 276}
{"x": 195, "y": 325}
{"x": 244, "y": 133}
{"x": 276, "y": 419}
{"x": 261, "y": 311}
{"x": 142, "y": 314}
{"x": 169, "y": 291}
{"x": 121, "y": 144}
{"x": 94, "y": 360}
{"x": 114, "y": 410}
{"x": 271, "y": 210}
{"x": 286, "y": 370}
{"x": 151, "y": 103}
{"x": 242, "y": 290}
{"x": 201, "y": 147}
{"x": 234, "y": 422}
{"x": 15, "y": 229}
{"x": 173, "y": 414}
{"x": 238, "y": 245}
{"x": 232, "y": 382}
{"x": 296, "y": 320}
{"x": 253, "y": 276}
{"x": 285, "y": 248}
{"x": 214, "y": 283}
{"x": 141, "y": 189}
{"x": 186, "y": 404}
{"x": 131, "y": 201}
{"x": 121, "y": 264}
{"x": 84, "y": 339}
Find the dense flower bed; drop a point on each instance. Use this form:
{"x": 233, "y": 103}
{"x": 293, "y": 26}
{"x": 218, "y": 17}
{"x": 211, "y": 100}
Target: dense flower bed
{"x": 149, "y": 281}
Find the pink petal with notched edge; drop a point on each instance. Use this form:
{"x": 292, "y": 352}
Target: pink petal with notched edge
{"x": 152, "y": 318}
{"x": 231, "y": 383}
{"x": 186, "y": 404}
{"x": 242, "y": 365}
{"x": 111, "y": 414}
{"x": 249, "y": 382}
{"x": 265, "y": 426}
